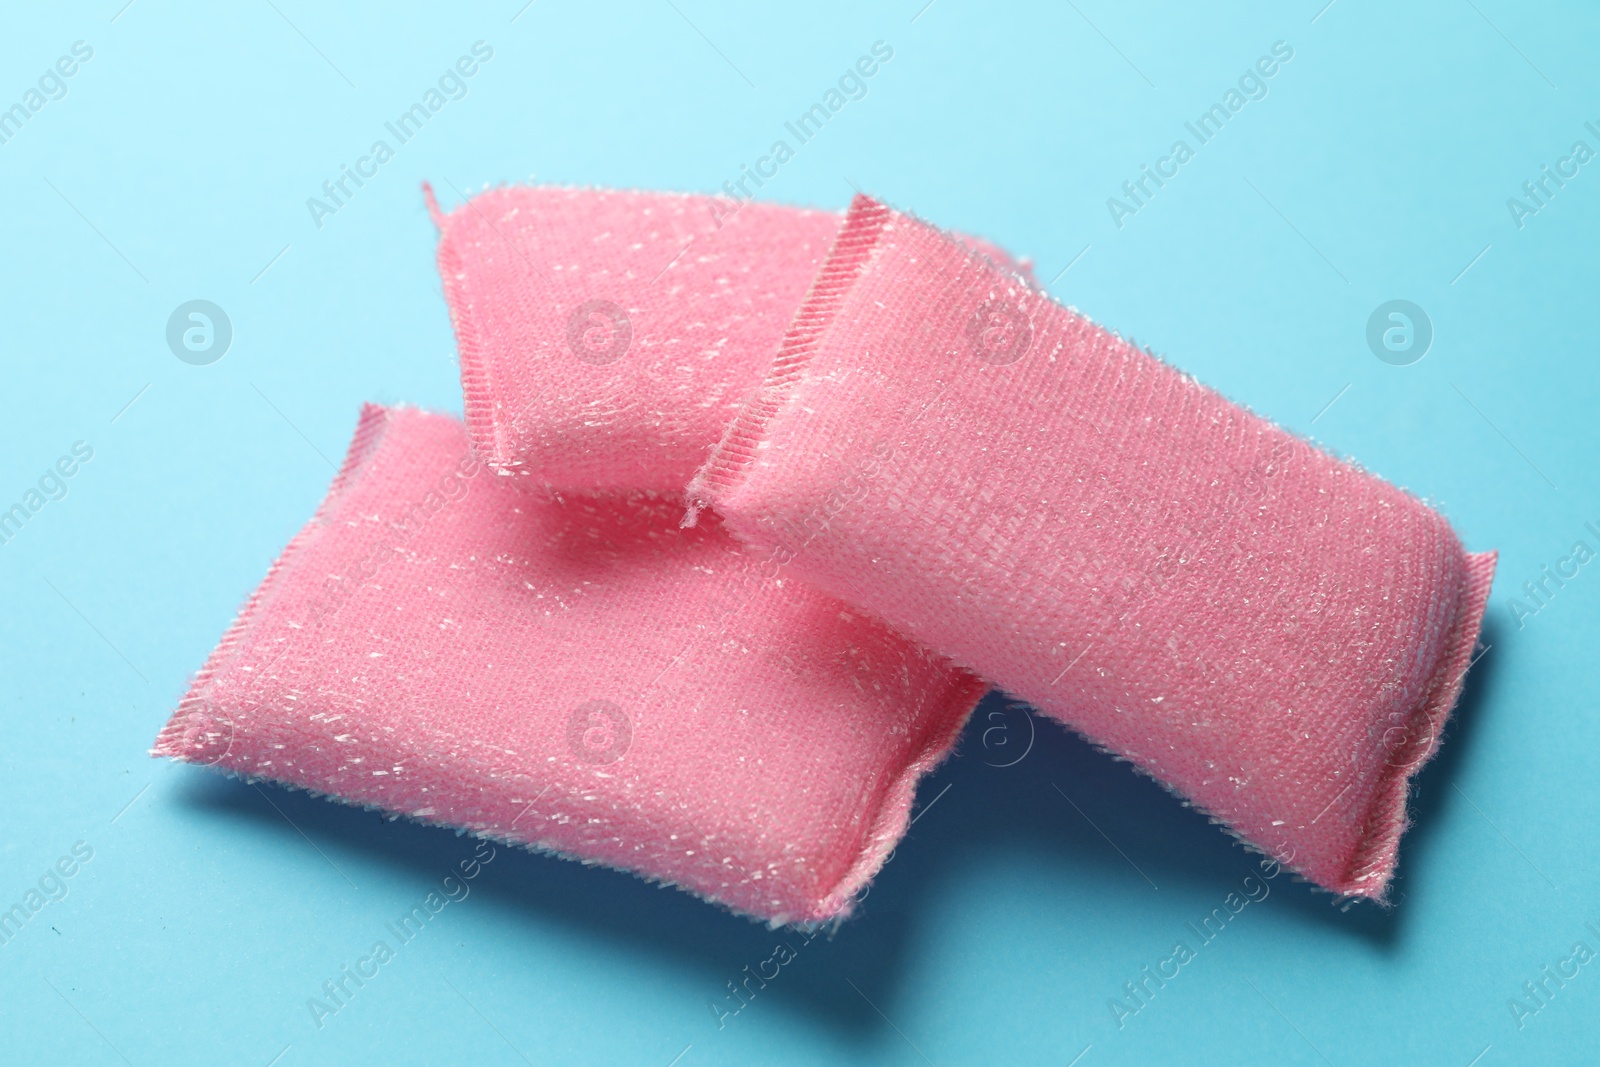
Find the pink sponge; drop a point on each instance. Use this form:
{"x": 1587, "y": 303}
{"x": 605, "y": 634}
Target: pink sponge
{"x": 577, "y": 674}
{"x": 607, "y": 338}
{"x": 1274, "y": 634}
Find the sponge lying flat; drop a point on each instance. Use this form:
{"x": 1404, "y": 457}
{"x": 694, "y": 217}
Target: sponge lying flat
{"x": 1275, "y": 635}
{"x": 607, "y": 338}
{"x": 576, "y": 674}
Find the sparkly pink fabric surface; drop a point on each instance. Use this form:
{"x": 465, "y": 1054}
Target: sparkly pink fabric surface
{"x": 578, "y": 674}
{"x": 608, "y": 337}
{"x": 1274, "y": 634}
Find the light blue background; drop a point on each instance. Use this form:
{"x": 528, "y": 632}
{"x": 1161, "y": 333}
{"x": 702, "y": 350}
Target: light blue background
{"x": 178, "y": 165}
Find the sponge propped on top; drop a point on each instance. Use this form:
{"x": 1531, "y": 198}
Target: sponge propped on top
{"x": 1274, "y": 634}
